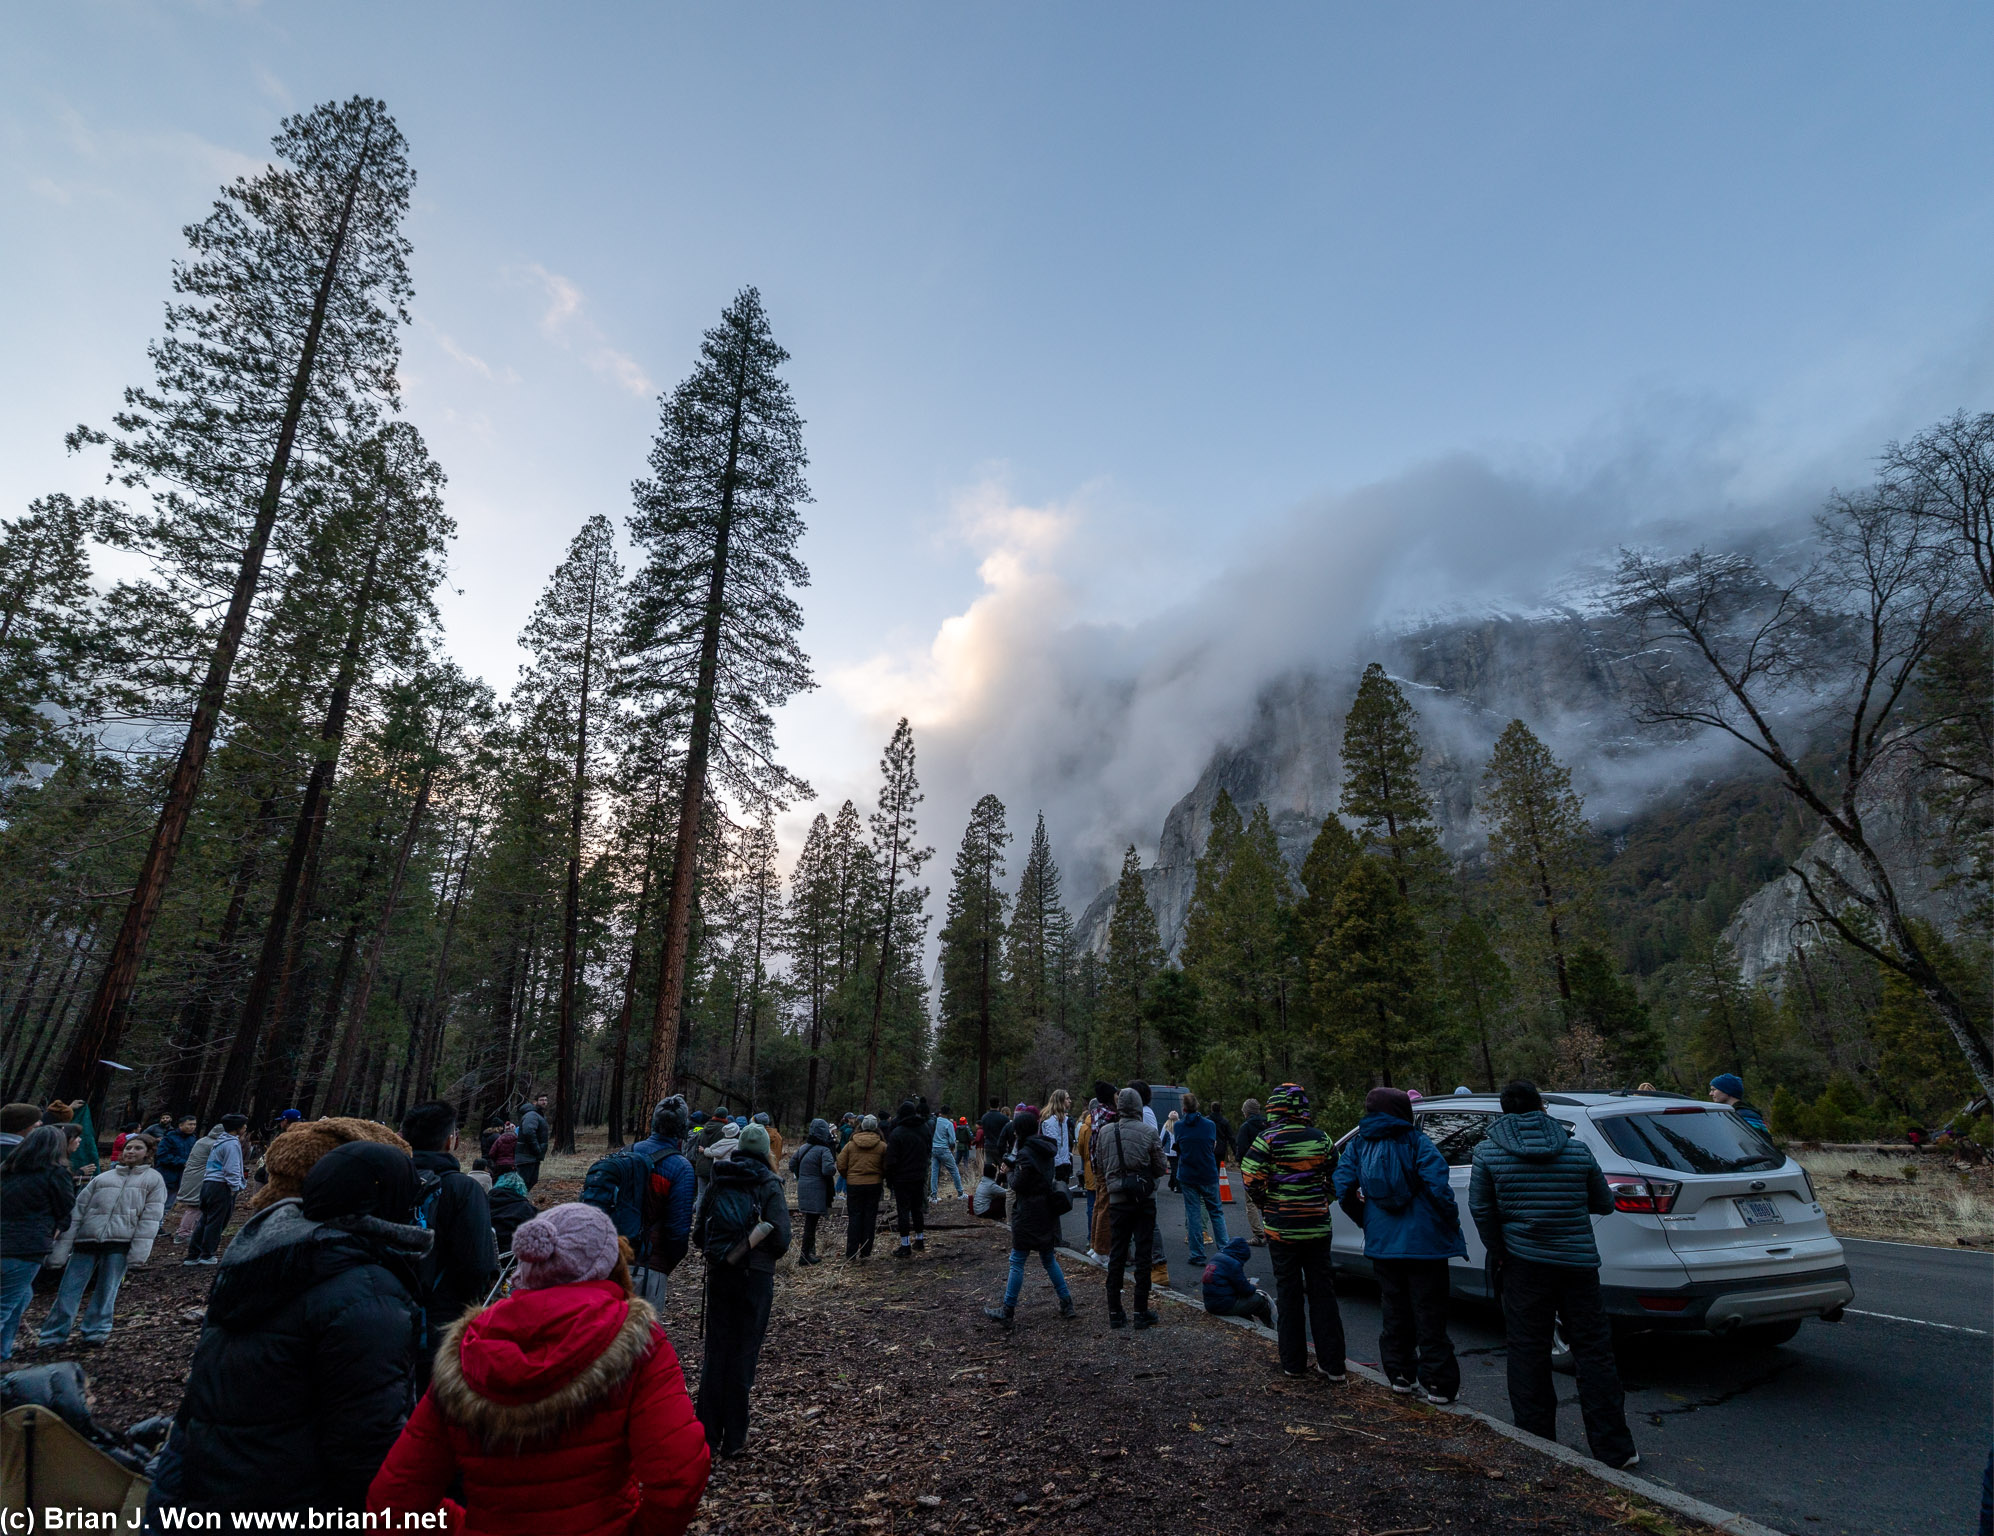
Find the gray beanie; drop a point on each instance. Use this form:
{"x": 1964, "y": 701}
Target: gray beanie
{"x": 1129, "y": 1102}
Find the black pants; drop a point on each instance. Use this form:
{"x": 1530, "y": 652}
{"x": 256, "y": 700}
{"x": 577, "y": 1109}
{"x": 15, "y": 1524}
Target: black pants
{"x": 1413, "y": 1344}
{"x": 1131, "y": 1228}
{"x": 1533, "y": 1296}
{"x": 1257, "y": 1305}
{"x": 861, "y": 1218}
{"x": 1305, "y": 1304}
{"x": 910, "y": 1203}
{"x": 737, "y": 1316}
{"x": 810, "y": 1220}
{"x": 217, "y": 1205}
{"x": 528, "y": 1171}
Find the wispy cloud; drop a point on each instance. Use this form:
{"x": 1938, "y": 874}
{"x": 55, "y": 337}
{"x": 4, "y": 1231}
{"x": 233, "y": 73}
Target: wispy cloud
{"x": 567, "y": 323}
{"x": 469, "y": 359}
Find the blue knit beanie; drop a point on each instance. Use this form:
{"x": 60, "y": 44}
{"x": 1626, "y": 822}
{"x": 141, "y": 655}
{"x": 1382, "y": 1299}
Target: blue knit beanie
{"x": 1729, "y": 1083}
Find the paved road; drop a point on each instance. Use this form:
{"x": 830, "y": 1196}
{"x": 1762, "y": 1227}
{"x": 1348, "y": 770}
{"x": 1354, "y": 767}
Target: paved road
{"x": 1876, "y": 1426}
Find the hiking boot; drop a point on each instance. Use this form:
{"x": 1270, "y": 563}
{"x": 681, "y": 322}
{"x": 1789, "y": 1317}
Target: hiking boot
{"x": 1118, "y": 1319}
{"x": 903, "y": 1252}
{"x": 1000, "y": 1315}
{"x": 920, "y": 1244}
{"x": 1146, "y": 1319}
{"x": 1066, "y": 1307}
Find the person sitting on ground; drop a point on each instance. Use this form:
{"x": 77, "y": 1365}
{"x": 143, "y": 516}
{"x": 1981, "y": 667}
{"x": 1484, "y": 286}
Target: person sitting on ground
{"x": 816, "y": 1170}
{"x": 1729, "y": 1088}
{"x": 1392, "y": 1181}
{"x": 36, "y": 1197}
{"x": 462, "y": 1263}
{"x": 560, "y": 1408}
{"x": 862, "y": 1165}
{"x": 744, "y": 1203}
{"x": 1038, "y": 1200}
{"x": 1533, "y": 1192}
{"x": 1229, "y": 1290}
{"x": 300, "y": 1382}
{"x": 115, "y": 1221}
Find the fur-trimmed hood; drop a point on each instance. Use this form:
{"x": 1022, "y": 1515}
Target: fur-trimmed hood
{"x": 526, "y": 1368}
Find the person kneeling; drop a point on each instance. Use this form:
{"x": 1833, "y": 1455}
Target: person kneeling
{"x": 562, "y": 1407}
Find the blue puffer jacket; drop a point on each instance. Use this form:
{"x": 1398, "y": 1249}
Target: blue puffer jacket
{"x": 1225, "y": 1277}
{"x": 1534, "y": 1189}
{"x": 1197, "y": 1151}
{"x": 1408, "y": 1210}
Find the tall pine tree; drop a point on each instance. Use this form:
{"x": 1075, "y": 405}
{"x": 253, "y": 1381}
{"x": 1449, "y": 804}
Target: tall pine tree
{"x": 1382, "y": 793}
{"x": 1540, "y": 854}
{"x": 713, "y": 622}
{"x": 1135, "y": 955}
{"x": 897, "y": 857}
{"x": 975, "y": 1006}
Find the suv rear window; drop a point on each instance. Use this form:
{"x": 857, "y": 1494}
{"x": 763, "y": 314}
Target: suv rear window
{"x": 1690, "y": 1141}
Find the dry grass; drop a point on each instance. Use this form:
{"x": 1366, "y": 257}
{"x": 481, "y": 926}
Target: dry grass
{"x": 1909, "y": 1198}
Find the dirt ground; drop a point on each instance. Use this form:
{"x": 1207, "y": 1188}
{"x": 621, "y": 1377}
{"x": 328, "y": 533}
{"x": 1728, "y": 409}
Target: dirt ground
{"x": 1903, "y": 1196}
{"x": 886, "y": 1404}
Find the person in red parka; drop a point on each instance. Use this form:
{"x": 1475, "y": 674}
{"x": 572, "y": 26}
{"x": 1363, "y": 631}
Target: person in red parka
{"x": 563, "y": 1406}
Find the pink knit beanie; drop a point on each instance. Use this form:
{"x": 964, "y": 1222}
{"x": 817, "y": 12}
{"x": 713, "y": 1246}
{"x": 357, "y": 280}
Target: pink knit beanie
{"x": 561, "y": 1246}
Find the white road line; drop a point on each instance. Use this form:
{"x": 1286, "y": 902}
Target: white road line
{"x": 1922, "y": 1322}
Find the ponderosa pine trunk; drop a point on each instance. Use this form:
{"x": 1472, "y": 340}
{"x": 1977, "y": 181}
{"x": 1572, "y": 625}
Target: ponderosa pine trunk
{"x": 571, "y": 917}
{"x": 103, "y": 1026}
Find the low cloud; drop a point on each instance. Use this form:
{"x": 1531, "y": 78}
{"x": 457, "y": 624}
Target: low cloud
{"x": 1104, "y": 725}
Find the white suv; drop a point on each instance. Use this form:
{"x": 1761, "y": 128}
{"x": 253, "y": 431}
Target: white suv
{"x": 1713, "y": 1226}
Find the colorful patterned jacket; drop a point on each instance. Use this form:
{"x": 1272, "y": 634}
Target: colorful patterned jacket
{"x": 1289, "y": 1169}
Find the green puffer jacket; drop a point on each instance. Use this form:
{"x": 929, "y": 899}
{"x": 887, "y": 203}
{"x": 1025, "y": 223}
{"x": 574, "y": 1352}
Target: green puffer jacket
{"x": 1534, "y": 1190}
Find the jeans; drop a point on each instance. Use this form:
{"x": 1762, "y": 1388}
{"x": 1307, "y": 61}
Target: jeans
{"x": 1014, "y": 1287}
{"x": 1413, "y": 1343}
{"x": 1201, "y": 1204}
{"x": 217, "y": 1205}
{"x": 1533, "y": 1295}
{"x": 737, "y": 1318}
{"x": 17, "y": 1284}
{"x": 109, "y": 1268}
{"x": 1305, "y": 1304}
{"x": 1090, "y": 1219}
{"x": 937, "y": 1161}
{"x": 1130, "y": 1227}
{"x": 861, "y": 1219}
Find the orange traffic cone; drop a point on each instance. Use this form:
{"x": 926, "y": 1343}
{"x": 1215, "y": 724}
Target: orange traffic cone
{"x": 1225, "y": 1191}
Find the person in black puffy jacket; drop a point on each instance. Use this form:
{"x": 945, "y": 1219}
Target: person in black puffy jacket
{"x": 303, "y": 1375}
{"x": 907, "y": 1177}
{"x": 36, "y": 1196}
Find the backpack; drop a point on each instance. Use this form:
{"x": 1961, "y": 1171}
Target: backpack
{"x": 617, "y": 1185}
{"x": 731, "y": 1214}
{"x": 427, "y": 1191}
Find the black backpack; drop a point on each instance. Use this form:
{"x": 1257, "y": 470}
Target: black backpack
{"x": 617, "y": 1185}
{"x": 731, "y": 1213}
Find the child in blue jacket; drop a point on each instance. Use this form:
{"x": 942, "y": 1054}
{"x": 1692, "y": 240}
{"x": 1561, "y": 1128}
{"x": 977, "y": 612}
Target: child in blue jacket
{"x": 1229, "y": 1292}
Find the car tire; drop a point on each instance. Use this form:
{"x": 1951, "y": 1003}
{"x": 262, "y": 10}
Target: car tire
{"x": 1769, "y": 1335}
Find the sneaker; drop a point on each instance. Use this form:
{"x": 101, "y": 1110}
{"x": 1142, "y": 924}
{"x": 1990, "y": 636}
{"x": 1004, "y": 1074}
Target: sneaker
{"x": 1293, "y": 1375}
{"x": 1434, "y": 1398}
{"x": 1066, "y": 1308}
{"x": 1631, "y": 1462}
{"x": 1334, "y": 1378}
{"x": 1404, "y": 1388}
{"x": 1197, "y": 1258}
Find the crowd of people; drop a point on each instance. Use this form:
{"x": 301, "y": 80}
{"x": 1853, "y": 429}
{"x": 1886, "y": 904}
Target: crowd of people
{"x": 390, "y": 1331}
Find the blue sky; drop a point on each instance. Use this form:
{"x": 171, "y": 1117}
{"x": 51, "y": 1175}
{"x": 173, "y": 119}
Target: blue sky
{"x": 1094, "y": 309}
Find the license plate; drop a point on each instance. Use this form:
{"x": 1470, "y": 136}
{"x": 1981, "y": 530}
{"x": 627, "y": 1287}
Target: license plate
{"x": 1758, "y": 1212}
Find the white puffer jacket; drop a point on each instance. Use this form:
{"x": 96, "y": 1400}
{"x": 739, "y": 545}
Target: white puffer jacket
{"x": 121, "y": 1205}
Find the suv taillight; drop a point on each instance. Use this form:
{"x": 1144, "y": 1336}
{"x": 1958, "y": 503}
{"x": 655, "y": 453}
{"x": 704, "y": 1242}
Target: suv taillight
{"x": 1648, "y": 1197}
